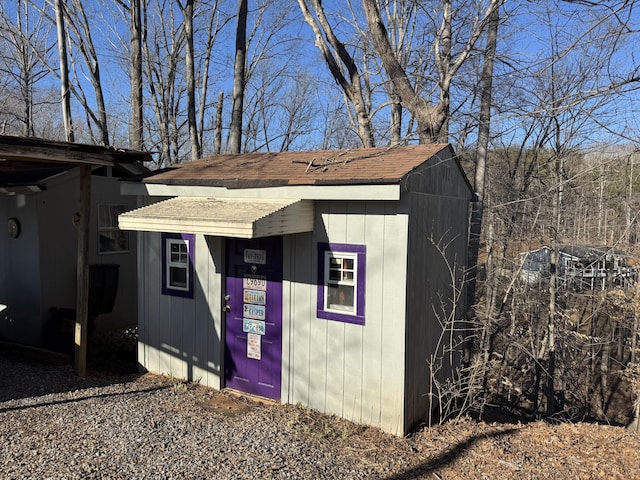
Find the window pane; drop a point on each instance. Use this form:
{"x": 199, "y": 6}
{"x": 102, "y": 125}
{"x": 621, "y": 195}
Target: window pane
{"x": 114, "y": 241}
{"x": 347, "y": 263}
{"x": 111, "y": 238}
{"x": 178, "y": 277}
{"x": 334, "y": 275}
{"x": 178, "y": 253}
{"x": 340, "y": 297}
{"x": 178, "y": 247}
{"x": 103, "y": 216}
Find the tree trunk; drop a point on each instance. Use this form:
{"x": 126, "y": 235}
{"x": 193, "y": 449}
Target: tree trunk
{"x": 628, "y": 232}
{"x": 477, "y": 205}
{"x": 64, "y": 71}
{"x": 187, "y": 14}
{"x": 396, "y": 119}
{"x": 349, "y": 81}
{"x": 429, "y": 117}
{"x": 217, "y": 147}
{"x": 239, "y": 78}
{"x": 79, "y": 23}
{"x": 137, "y": 112}
{"x": 432, "y": 119}
{"x": 22, "y": 50}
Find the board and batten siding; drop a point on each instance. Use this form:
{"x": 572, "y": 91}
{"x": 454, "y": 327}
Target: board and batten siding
{"x": 438, "y": 206}
{"x": 434, "y": 280}
{"x": 179, "y": 336}
{"x": 354, "y": 371}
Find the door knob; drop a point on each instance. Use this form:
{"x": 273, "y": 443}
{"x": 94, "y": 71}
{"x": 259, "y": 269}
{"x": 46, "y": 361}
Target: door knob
{"x": 227, "y": 308}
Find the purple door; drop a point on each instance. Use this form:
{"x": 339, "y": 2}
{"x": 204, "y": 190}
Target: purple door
{"x": 253, "y": 353}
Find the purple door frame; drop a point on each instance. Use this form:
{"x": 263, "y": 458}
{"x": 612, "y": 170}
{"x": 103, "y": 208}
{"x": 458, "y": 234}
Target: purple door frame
{"x": 253, "y": 361}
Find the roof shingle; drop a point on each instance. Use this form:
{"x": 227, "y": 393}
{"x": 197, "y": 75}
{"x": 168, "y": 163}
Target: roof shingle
{"x": 385, "y": 165}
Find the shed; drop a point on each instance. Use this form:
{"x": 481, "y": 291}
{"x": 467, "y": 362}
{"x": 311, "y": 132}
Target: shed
{"x": 580, "y": 266}
{"x": 44, "y": 185}
{"x": 317, "y": 278}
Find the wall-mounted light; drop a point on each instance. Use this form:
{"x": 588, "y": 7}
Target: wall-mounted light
{"x": 13, "y": 227}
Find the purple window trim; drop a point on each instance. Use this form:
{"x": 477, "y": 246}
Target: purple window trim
{"x": 166, "y": 290}
{"x": 361, "y": 253}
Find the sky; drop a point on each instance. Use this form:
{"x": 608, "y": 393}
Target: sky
{"x": 530, "y": 31}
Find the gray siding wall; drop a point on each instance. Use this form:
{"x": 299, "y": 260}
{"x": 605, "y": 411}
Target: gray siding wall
{"x": 353, "y": 371}
{"x": 438, "y": 252}
{"x": 56, "y": 206}
{"x": 441, "y": 176}
{"x": 38, "y": 269}
{"x": 57, "y": 242}
{"x": 106, "y": 190}
{"x": 181, "y": 337}
{"x": 20, "y": 271}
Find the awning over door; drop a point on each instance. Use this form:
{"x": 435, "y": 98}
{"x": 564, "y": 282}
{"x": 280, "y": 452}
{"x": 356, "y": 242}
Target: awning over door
{"x": 239, "y": 218}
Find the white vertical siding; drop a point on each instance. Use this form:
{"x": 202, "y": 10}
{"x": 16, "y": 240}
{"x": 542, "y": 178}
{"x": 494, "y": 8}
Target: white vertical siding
{"x": 353, "y": 367}
{"x": 355, "y": 371}
{"x": 393, "y": 321}
{"x": 298, "y": 322}
{"x": 207, "y": 362}
{"x": 181, "y": 336}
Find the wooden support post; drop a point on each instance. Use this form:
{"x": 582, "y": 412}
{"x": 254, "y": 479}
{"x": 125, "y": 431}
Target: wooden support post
{"x": 82, "y": 288}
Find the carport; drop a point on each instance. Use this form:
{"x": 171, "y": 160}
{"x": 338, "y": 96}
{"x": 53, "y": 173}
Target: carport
{"x": 25, "y": 164}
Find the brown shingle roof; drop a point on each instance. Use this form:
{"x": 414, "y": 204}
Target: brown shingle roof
{"x": 386, "y": 165}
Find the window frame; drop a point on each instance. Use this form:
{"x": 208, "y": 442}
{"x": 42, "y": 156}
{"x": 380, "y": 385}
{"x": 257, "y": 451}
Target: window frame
{"x": 169, "y": 239}
{"x": 344, "y": 251}
{"x": 114, "y": 209}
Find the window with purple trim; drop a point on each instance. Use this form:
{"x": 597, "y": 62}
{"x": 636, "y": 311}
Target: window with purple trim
{"x": 177, "y": 265}
{"x": 341, "y": 282}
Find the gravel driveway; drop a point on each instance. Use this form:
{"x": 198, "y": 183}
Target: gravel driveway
{"x": 55, "y": 425}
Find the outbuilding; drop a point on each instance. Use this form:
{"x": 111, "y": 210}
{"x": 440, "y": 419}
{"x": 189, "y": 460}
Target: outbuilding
{"x": 319, "y": 278}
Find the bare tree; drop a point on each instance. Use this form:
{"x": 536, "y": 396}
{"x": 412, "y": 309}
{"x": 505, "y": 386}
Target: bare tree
{"x": 477, "y": 206}
{"x": 82, "y": 38}
{"x": 432, "y": 118}
{"x": 134, "y": 10}
{"x": 564, "y": 98}
{"x": 74, "y": 30}
{"x": 21, "y": 39}
{"x": 401, "y": 20}
{"x": 162, "y": 56}
{"x": 65, "y": 93}
{"x": 239, "y": 81}
{"x": 187, "y": 17}
{"x": 215, "y": 24}
{"x": 342, "y": 66}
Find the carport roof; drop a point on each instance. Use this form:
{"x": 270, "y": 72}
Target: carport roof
{"x": 28, "y": 160}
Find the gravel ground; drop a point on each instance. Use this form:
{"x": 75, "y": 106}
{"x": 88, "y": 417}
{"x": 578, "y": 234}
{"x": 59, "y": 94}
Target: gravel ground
{"x": 55, "y": 425}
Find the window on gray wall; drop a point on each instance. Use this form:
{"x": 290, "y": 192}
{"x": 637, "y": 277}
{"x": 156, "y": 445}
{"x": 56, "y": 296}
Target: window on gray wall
{"x": 110, "y": 238}
{"x": 177, "y": 264}
{"x": 341, "y": 282}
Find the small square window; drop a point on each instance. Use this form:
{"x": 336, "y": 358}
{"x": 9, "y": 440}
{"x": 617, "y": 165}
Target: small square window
{"x": 341, "y": 282}
{"x": 177, "y": 265}
{"x": 110, "y": 238}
